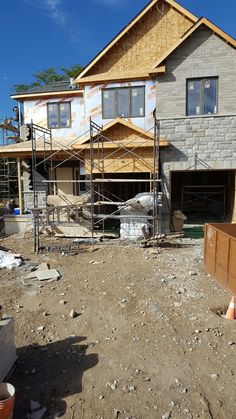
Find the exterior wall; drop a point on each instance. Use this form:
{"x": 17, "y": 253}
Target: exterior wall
{"x": 93, "y": 103}
{"x": 198, "y": 142}
{"x": 37, "y": 111}
{"x": 202, "y": 55}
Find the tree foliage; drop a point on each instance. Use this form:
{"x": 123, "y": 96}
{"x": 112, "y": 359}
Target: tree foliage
{"x": 48, "y": 76}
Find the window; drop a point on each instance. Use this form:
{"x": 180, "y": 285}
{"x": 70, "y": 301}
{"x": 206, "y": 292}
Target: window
{"x": 202, "y": 96}
{"x": 124, "y": 102}
{"x": 59, "y": 115}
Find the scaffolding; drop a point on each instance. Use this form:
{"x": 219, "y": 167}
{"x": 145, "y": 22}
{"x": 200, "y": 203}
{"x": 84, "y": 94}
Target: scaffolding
{"x": 96, "y": 158}
{"x": 9, "y": 134}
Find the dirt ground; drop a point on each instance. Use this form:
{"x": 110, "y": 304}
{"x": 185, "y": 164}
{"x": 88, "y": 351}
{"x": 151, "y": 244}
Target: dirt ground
{"x": 147, "y": 341}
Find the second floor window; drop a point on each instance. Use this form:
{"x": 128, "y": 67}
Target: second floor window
{"x": 202, "y": 96}
{"x": 59, "y": 115}
{"x": 124, "y": 102}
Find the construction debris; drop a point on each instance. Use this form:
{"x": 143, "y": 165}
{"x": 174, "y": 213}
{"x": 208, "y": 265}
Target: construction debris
{"x": 9, "y": 260}
{"x": 43, "y": 273}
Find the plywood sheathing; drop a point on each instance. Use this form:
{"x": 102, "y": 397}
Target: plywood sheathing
{"x": 127, "y": 76}
{"x": 118, "y": 122}
{"x": 140, "y": 161}
{"x": 143, "y": 43}
{"x": 124, "y": 151}
{"x": 201, "y": 22}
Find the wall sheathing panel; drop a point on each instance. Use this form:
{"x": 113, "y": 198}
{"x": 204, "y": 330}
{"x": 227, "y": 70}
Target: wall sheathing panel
{"x": 145, "y": 42}
{"x": 122, "y": 161}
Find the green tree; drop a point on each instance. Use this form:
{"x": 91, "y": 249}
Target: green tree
{"x": 49, "y": 75}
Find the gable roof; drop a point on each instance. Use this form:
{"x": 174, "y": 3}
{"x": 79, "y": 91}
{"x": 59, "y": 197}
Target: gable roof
{"x": 116, "y": 122}
{"x": 202, "y": 21}
{"x": 108, "y": 47}
{"x": 144, "y": 138}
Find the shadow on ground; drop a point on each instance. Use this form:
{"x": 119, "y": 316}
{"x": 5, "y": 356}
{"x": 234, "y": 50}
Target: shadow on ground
{"x": 49, "y": 374}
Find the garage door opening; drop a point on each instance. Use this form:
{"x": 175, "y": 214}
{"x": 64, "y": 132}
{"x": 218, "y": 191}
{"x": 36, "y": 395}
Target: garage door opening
{"x": 204, "y": 196}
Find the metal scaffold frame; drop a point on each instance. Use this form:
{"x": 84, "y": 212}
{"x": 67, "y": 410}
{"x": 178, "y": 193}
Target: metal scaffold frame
{"x": 8, "y": 166}
{"x": 95, "y": 165}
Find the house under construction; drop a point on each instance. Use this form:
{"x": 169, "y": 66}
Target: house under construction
{"x": 152, "y": 113}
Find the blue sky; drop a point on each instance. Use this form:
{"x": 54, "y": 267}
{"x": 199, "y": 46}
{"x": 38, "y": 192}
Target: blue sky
{"x": 37, "y": 34}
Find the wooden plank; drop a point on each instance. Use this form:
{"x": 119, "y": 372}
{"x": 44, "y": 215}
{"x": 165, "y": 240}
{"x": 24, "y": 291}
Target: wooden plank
{"x": 231, "y": 280}
{"x": 221, "y": 258}
{"x": 219, "y": 254}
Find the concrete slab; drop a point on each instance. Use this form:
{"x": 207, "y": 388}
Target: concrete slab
{"x": 47, "y": 274}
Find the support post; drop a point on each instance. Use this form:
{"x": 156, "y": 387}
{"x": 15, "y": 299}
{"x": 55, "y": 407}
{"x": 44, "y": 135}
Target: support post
{"x": 19, "y": 185}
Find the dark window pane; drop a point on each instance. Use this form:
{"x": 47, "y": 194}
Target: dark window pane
{"x": 53, "y": 120}
{"x": 64, "y": 114}
{"x": 137, "y": 101}
{"x": 193, "y": 97}
{"x": 109, "y": 103}
{"x": 123, "y": 97}
{"x": 210, "y": 96}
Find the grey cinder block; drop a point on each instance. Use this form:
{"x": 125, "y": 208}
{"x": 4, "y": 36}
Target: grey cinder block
{"x": 7, "y": 347}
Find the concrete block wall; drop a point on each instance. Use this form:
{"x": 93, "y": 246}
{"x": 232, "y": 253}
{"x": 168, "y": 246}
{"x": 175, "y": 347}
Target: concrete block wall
{"x": 197, "y": 143}
{"x": 204, "y": 54}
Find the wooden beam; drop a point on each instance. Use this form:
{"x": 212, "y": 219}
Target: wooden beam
{"x": 104, "y": 77}
{"x": 48, "y": 94}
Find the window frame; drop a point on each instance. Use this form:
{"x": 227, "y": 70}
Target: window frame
{"x": 202, "y": 97}
{"x": 58, "y": 114}
{"x": 116, "y": 89}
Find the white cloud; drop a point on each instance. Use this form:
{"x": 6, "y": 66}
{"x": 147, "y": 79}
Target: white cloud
{"x": 5, "y": 78}
{"x": 56, "y": 12}
{"x": 118, "y": 4}
{"x": 51, "y": 7}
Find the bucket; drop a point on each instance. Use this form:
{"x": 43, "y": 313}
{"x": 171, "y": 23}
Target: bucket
{"x": 7, "y": 398}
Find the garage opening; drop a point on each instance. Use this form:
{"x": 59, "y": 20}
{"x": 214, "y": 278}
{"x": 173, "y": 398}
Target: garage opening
{"x": 204, "y": 196}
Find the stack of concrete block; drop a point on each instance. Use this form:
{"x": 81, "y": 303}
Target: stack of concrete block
{"x": 7, "y": 347}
